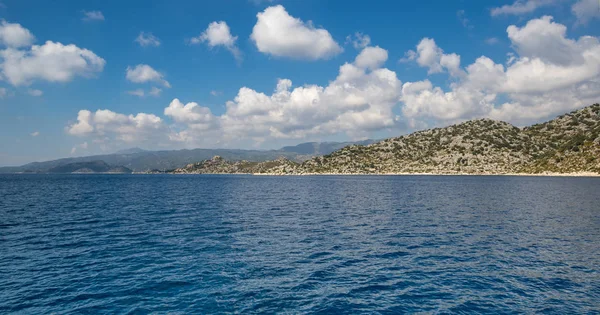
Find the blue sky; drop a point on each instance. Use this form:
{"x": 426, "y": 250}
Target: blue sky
{"x": 425, "y": 64}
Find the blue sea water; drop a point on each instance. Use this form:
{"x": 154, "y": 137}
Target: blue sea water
{"x": 313, "y": 244}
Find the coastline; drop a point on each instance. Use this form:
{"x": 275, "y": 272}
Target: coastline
{"x": 547, "y": 174}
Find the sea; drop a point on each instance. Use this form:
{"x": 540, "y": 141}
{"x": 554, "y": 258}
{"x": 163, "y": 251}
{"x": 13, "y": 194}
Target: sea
{"x": 221, "y": 244}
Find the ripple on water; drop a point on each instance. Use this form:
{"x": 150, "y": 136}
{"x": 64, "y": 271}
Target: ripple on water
{"x": 343, "y": 245}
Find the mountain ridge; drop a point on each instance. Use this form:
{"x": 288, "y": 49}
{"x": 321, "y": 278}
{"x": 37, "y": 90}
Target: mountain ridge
{"x": 140, "y": 160}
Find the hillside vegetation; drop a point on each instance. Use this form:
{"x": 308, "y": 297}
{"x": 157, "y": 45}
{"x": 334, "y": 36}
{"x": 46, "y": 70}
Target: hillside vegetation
{"x": 567, "y": 144}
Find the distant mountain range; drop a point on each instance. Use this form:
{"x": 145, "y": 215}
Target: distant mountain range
{"x": 89, "y": 167}
{"x": 139, "y": 160}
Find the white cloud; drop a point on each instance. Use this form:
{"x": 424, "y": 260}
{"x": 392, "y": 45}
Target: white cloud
{"x": 423, "y": 100}
{"x": 140, "y": 128}
{"x": 14, "y": 35}
{"x": 34, "y": 92}
{"x": 371, "y": 58}
{"x": 216, "y": 93}
{"x": 137, "y": 92}
{"x": 279, "y": 34}
{"x": 3, "y": 92}
{"x": 147, "y": 39}
{"x": 586, "y": 10}
{"x": 219, "y": 34}
{"x": 520, "y": 7}
{"x": 195, "y": 116}
{"x": 359, "y": 40}
{"x": 544, "y": 39}
{"x": 430, "y": 56}
{"x": 89, "y": 16}
{"x": 359, "y": 101}
{"x": 35, "y": 134}
{"x": 144, "y": 73}
{"x": 364, "y": 97}
{"x": 52, "y": 62}
{"x": 550, "y": 74}
{"x": 83, "y": 125}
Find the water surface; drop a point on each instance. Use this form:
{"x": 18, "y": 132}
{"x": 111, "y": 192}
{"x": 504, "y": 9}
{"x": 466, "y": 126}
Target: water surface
{"x": 312, "y": 244}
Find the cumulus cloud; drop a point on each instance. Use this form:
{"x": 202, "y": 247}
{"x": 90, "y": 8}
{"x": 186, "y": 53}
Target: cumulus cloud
{"x": 279, "y": 34}
{"x": 35, "y": 134}
{"x": 544, "y": 39}
{"x": 14, "y": 35}
{"x": 359, "y": 101}
{"x": 90, "y": 16}
{"x": 371, "y": 58}
{"x": 219, "y": 34}
{"x": 147, "y": 39}
{"x": 586, "y": 10}
{"x": 3, "y": 92}
{"x": 143, "y": 73}
{"x": 430, "y": 56}
{"x": 53, "y": 62}
{"x": 423, "y": 100}
{"x": 194, "y": 116}
{"x": 140, "y": 128}
{"x": 83, "y": 125}
{"x": 34, "y": 92}
{"x": 520, "y": 7}
{"x": 549, "y": 74}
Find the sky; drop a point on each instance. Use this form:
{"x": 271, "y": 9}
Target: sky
{"x": 92, "y": 77}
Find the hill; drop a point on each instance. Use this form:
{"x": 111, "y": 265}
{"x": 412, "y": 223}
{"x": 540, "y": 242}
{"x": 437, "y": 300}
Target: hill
{"x": 567, "y": 144}
{"x": 140, "y": 160}
{"x": 321, "y": 148}
{"x": 89, "y": 167}
{"x": 218, "y": 165}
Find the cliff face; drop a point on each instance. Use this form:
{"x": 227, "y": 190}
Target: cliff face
{"x": 567, "y": 144}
